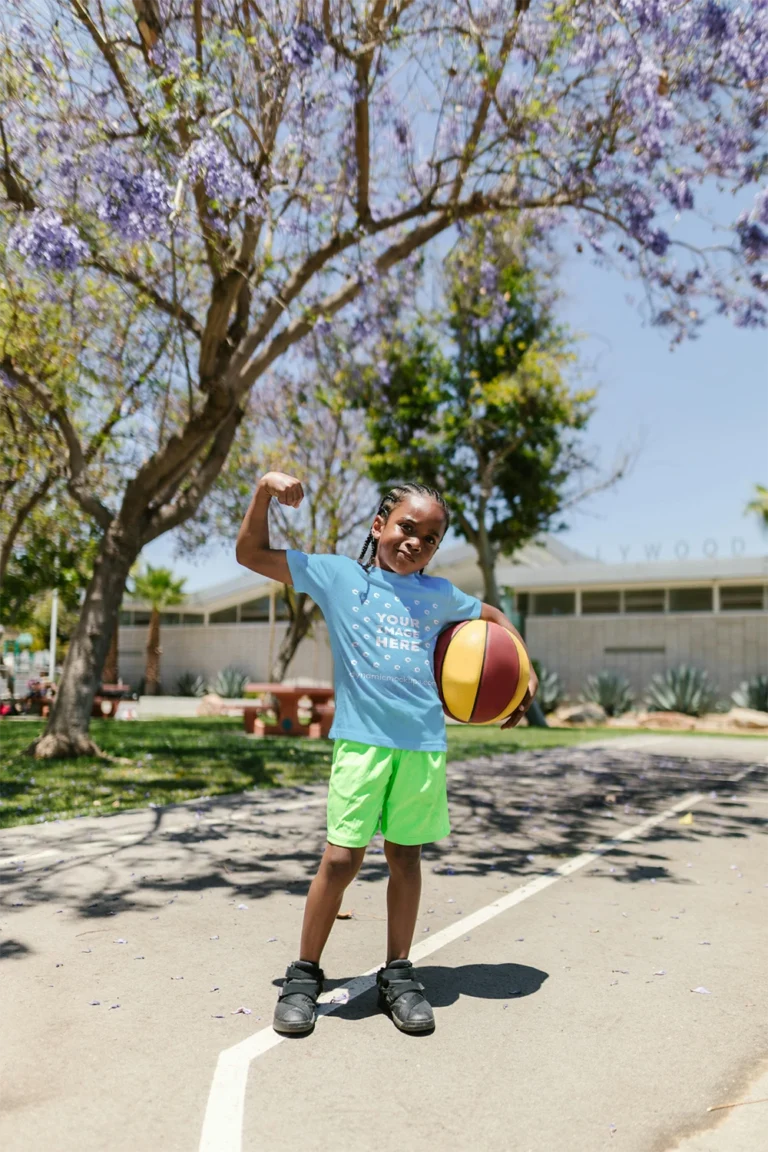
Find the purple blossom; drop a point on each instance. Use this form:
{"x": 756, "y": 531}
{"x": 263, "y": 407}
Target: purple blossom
{"x": 714, "y": 20}
{"x": 224, "y": 179}
{"x": 47, "y": 242}
{"x": 754, "y": 241}
{"x": 305, "y": 44}
{"x": 679, "y": 193}
{"x": 137, "y": 205}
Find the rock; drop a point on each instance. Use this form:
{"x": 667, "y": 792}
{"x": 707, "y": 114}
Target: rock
{"x": 586, "y": 713}
{"x": 747, "y": 718}
{"x": 210, "y": 705}
{"x": 677, "y": 721}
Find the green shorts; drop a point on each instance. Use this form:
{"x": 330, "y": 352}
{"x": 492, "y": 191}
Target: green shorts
{"x": 399, "y": 791}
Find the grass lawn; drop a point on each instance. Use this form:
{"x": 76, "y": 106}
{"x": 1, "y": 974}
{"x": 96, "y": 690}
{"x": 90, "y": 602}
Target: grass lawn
{"x": 172, "y": 760}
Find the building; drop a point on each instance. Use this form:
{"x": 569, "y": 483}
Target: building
{"x": 579, "y": 616}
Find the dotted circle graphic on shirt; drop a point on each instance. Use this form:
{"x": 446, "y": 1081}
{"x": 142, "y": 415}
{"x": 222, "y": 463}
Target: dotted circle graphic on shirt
{"x": 375, "y": 595}
{"x": 376, "y": 664}
{"x": 355, "y": 609}
{"x": 417, "y": 669}
{"x": 407, "y": 659}
{"x": 387, "y": 604}
{"x": 397, "y": 667}
{"x": 366, "y": 620}
{"x": 355, "y": 591}
{"x": 417, "y": 601}
{"x": 354, "y": 661}
{"x": 434, "y": 605}
{"x": 356, "y": 627}
{"x": 386, "y": 657}
{"x": 365, "y": 654}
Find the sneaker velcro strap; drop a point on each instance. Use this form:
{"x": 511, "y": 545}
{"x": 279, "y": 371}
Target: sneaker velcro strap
{"x": 395, "y": 988}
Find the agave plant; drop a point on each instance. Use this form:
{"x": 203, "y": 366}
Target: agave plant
{"x": 752, "y": 694}
{"x": 611, "y": 691}
{"x": 550, "y": 691}
{"x": 189, "y": 684}
{"x": 230, "y": 682}
{"x": 682, "y": 689}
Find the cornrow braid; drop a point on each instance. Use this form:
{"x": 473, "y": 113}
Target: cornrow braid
{"x": 394, "y": 497}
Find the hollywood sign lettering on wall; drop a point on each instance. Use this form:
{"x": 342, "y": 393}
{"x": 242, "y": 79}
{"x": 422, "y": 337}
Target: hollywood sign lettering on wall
{"x": 682, "y": 550}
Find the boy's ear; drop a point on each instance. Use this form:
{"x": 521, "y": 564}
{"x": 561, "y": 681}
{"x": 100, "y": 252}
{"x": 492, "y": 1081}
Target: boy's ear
{"x": 377, "y": 526}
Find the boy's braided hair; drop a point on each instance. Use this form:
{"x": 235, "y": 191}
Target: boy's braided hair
{"x": 394, "y": 497}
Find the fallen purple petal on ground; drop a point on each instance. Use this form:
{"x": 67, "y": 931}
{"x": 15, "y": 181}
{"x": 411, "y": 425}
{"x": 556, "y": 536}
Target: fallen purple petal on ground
{"x": 271, "y": 939}
{"x": 243, "y": 906}
{"x": 704, "y": 991}
{"x": 95, "y": 1003}
{"x": 214, "y": 937}
{"x": 661, "y": 972}
{"x": 120, "y": 941}
{"x": 241, "y": 1011}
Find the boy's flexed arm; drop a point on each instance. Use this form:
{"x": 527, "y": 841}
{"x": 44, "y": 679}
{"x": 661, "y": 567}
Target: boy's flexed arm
{"x": 497, "y": 616}
{"x": 252, "y": 549}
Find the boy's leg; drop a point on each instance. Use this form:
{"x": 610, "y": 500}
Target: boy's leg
{"x": 296, "y": 1006}
{"x": 337, "y": 870}
{"x": 403, "y": 895}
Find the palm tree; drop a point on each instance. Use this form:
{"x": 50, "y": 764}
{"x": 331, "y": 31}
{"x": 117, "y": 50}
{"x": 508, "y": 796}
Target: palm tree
{"x": 156, "y": 586}
{"x": 760, "y": 504}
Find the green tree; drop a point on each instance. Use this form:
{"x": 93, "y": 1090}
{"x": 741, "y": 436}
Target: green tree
{"x": 759, "y": 504}
{"x": 477, "y": 403}
{"x": 156, "y": 587}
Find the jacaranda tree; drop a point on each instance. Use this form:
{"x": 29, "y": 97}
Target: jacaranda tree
{"x": 243, "y": 171}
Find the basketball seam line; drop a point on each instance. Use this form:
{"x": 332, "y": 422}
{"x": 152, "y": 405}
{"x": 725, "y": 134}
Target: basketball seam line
{"x": 480, "y": 677}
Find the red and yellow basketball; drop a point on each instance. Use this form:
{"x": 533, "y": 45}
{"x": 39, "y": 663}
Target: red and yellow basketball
{"x": 482, "y": 671}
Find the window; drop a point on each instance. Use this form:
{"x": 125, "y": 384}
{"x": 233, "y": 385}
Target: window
{"x": 521, "y": 602}
{"x": 126, "y": 617}
{"x": 600, "y": 603}
{"x": 255, "y": 610}
{"x": 690, "y": 599}
{"x": 170, "y": 618}
{"x": 554, "y": 604}
{"x": 141, "y": 617}
{"x": 741, "y": 598}
{"x": 191, "y": 618}
{"x": 644, "y": 600}
{"x": 225, "y": 616}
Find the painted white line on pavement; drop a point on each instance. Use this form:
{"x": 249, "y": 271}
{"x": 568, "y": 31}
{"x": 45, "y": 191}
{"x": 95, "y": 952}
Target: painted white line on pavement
{"x": 223, "y": 1122}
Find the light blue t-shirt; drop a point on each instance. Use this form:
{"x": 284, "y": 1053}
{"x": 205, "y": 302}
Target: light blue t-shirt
{"x": 383, "y": 628}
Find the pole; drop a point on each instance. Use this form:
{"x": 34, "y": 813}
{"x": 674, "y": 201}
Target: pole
{"x": 52, "y": 640}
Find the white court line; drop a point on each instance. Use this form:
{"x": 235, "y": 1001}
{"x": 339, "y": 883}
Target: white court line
{"x": 223, "y": 1122}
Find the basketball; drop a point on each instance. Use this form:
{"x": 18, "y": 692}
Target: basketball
{"x": 482, "y": 671}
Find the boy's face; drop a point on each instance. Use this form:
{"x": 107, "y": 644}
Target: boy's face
{"x": 408, "y": 540}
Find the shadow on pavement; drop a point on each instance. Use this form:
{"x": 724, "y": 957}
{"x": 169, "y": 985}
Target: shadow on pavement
{"x": 514, "y": 816}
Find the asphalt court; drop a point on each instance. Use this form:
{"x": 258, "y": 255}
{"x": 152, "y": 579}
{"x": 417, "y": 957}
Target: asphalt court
{"x": 569, "y": 1020}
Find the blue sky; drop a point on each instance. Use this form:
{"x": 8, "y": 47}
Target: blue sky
{"x": 698, "y": 417}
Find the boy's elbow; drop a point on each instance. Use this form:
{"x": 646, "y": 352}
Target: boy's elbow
{"x": 243, "y": 555}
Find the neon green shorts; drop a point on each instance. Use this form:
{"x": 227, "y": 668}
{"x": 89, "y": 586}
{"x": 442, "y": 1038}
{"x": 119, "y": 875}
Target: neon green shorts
{"x": 399, "y": 791}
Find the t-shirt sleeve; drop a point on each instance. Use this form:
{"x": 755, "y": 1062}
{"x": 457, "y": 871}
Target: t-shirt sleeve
{"x": 312, "y": 574}
{"x": 462, "y": 606}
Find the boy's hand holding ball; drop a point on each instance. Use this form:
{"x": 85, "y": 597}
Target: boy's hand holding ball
{"x": 285, "y": 489}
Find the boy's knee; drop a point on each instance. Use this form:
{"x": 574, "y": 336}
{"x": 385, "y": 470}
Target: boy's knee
{"x": 403, "y": 857}
{"x": 341, "y": 863}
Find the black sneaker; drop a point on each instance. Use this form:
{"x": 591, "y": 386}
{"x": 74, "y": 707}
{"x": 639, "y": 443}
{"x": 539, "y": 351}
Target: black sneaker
{"x": 295, "y": 1009}
{"x": 402, "y": 996}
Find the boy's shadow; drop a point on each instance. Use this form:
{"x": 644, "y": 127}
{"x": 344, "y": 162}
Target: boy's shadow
{"x": 444, "y": 986}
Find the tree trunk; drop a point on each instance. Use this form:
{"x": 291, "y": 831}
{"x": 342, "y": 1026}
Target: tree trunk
{"x": 111, "y": 673}
{"x": 66, "y": 733}
{"x": 486, "y": 555}
{"x": 152, "y": 672}
{"x": 303, "y": 615}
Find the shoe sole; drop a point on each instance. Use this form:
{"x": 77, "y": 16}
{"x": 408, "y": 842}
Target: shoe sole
{"x": 293, "y": 1029}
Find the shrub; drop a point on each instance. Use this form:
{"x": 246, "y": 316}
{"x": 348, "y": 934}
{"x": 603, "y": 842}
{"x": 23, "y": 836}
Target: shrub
{"x": 611, "y": 691}
{"x": 550, "y": 691}
{"x": 682, "y": 689}
{"x": 230, "y": 682}
{"x": 190, "y": 684}
{"x": 752, "y": 694}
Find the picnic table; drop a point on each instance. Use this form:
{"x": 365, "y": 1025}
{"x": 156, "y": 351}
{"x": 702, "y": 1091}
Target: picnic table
{"x": 285, "y": 699}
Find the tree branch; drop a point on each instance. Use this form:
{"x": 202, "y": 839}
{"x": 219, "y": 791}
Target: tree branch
{"x": 170, "y": 516}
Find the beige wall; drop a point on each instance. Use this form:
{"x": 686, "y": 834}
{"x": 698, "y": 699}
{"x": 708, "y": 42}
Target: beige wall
{"x": 207, "y": 649}
{"x": 729, "y": 646}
